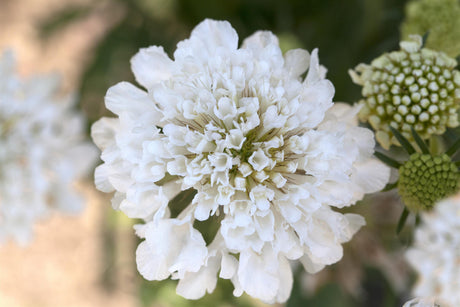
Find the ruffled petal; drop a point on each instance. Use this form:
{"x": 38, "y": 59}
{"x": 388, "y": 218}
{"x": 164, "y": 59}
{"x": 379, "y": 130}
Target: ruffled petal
{"x": 257, "y": 275}
{"x": 370, "y": 176}
{"x": 195, "y": 285}
{"x": 126, "y": 99}
{"x": 103, "y": 132}
{"x": 152, "y": 65}
{"x": 297, "y": 61}
{"x": 208, "y": 37}
{"x": 265, "y": 44}
{"x": 170, "y": 246}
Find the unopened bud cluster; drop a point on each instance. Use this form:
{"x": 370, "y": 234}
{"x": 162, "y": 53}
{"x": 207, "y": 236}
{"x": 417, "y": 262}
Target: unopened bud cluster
{"x": 439, "y": 18}
{"x": 414, "y": 87}
{"x": 424, "y": 179}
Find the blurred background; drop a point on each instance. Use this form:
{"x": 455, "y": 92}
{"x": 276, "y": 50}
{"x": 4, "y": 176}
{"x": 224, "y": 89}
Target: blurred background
{"x": 88, "y": 260}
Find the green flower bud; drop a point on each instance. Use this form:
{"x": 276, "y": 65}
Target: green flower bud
{"x": 424, "y": 179}
{"x": 440, "y": 19}
{"x": 414, "y": 87}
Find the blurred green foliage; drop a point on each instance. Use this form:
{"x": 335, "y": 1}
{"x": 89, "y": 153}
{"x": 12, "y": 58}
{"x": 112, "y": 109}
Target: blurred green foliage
{"x": 346, "y": 32}
{"x": 61, "y": 20}
{"x": 440, "y": 19}
{"x": 164, "y": 293}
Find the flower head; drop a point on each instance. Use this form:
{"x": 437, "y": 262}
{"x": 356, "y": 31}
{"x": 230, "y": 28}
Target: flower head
{"x": 424, "y": 302}
{"x": 42, "y": 151}
{"x": 436, "y": 253}
{"x": 246, "y": 140}
{"x": 440, "y": 19}
{"x": 425, "y": 179}
{"x": 415, "y": 87}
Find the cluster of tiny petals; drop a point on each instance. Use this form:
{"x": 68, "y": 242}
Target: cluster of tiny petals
{"x": 435, "y": 253}
{"x": 425, "y": 179}
{"x": 247, "y": 150}
{"x": 42, "y": 151}
{"x": 414, "y": 87}
{"x": 264, "y": 150}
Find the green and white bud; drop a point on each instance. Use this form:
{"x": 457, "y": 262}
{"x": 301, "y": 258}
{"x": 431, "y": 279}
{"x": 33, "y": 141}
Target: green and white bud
{"x": 414, "y": 87}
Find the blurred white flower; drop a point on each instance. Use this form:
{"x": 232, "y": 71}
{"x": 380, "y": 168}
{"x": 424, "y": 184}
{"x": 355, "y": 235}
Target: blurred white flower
{"x": 266, "y": 152}
{"x": 424, "y": 302}
{"x": 435, "y": 255}
{"x": 42, "y": 151}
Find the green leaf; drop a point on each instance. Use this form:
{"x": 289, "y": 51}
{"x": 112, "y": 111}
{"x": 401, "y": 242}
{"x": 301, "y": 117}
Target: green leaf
{"x": 390, "y": 186}
{"x": 424, "y": 38}
{"x": 209, "y": 228}
{"x": 417, "y": 220}
{"x": 181, "y": 201}
{"x": 387, "y": 160}
{"x": 402, "y": 220}
{"x": 167, "y": 178}
{"x": 421, "y": 144}
{"x": 62, "y": 19}
{"x": 453, "y": 149}
{"x": 403, "y": 141}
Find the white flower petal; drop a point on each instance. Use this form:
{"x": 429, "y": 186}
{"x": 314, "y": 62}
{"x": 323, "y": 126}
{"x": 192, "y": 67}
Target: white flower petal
{"x": 151, "y": 267}
{"x": 265, "y": 226}
{"x": 297, "y": 61}
{"x": 229, "y": 266}
{"x": 195, "y": 285}
{"x": 313, "y": 74}
{"x": 103, "y": 132}
{"x": 371, "y": 176}
{"x": 170, "y": 246}
{"x": 101, "y": 179}
{"x": 311, "y": 266}
{"x": 286, "y": 280}
{"x": 125, "y": 98}
{"x": 151, "y": 65}
{"x": 260, "y": 40}
{"x": 142, "y": 200}
{"x": 265, "y": 44}
{"x": 257, "y": 275}
{"x": 208, "y": 37}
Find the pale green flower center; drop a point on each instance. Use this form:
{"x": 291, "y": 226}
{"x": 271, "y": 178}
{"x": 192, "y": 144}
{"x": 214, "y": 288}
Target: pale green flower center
{"x": 412, "y": 87}
{"x": 425, "y": 179}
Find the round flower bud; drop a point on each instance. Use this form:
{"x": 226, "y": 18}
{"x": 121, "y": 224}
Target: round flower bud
{"x": 439, "y": 18}
{"x": 414, "y": 87}
{"x": 425, "y": 179}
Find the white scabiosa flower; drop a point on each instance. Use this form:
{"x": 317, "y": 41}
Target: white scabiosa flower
{"x": 42, "y": 151}
{"x": 424, "y": 302}
{"x": 435, "y": 254}
{"x": 251, "y": 145}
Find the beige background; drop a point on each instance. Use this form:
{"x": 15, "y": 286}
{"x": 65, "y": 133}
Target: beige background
{"x": 66, "y": 262}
